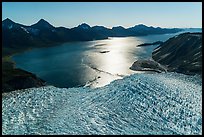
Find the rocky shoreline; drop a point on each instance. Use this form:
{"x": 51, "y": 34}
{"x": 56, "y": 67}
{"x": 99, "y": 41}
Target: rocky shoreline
{"x": 181, "y": 54}
{"x": 14, "y": 78}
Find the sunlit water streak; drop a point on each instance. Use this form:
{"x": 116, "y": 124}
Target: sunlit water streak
{"x": 76, "y": 64}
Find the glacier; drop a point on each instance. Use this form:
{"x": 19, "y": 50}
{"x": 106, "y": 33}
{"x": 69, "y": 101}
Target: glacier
{"x": 141, "y": 104}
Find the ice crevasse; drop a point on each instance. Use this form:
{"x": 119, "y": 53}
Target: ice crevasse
{"x": 165, "y": 103}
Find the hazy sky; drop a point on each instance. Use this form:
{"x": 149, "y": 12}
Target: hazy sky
{"x": 109, "y": 14}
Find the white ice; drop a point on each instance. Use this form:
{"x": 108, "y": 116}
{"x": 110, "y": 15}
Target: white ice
{"x": 165, "y": 103}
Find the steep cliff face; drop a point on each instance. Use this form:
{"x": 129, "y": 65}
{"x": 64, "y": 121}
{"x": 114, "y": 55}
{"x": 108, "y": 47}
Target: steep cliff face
{"x": 182, "y": 53}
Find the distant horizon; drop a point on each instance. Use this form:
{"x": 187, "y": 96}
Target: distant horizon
{"x": 109, "y": 14}
{"x": 94, "y": 25}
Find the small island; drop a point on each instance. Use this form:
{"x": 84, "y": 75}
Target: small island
{"x": 105, "y": 51}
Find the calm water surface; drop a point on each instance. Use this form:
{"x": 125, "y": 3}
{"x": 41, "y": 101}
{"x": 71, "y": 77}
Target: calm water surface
{"x": 76, "y": 64}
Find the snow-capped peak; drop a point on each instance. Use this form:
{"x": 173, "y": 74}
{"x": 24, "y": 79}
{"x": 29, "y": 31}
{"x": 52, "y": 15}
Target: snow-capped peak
{"x": 84, "y": 26}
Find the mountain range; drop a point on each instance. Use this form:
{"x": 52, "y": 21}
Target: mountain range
{"x": 17, "y": 37}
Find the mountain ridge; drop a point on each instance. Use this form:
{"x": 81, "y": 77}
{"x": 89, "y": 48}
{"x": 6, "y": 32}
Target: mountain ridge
{"x": 83, "y": 23}
{"x": 181, "y": 53}
{"x": 42, "y": 24}
{"x": 18, "y": 37}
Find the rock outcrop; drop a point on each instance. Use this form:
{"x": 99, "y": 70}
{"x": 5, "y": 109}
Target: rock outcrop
{"x": 147, "y": 65}
{"x": 15, "y": 78}
{"x": 182, "y": 53}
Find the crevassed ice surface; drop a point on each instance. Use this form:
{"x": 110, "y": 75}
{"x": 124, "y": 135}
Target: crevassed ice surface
{"x": 138, "y": 104}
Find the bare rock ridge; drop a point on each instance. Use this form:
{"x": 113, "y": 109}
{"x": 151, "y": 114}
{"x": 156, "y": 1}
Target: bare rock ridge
{"x": 181, "y": 53}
